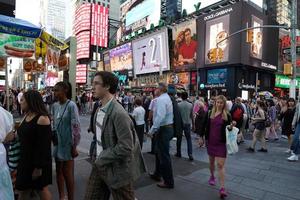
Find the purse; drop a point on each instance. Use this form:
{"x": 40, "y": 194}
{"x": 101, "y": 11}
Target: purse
{"x": 54, "y": 136}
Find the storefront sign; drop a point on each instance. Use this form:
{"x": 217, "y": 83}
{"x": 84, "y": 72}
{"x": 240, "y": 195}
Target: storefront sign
{"x": 246, "y": 86}
{"x": 216, "y": 76}
{"x": 267, "y": 65}
{"x": 213, "y": 86}
{"x": 282, "y": 81}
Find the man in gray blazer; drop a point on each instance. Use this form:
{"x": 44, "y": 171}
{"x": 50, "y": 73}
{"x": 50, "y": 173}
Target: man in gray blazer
{"x": 120, "y": 162}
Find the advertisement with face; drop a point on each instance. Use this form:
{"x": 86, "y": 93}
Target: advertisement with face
{"x": 185, "y": 45}
{"x": 121, "y": 57}
{"x": 256, "y": 45}
{"x": 217, "y": 30}
{"x": 150, "y": 53}
{"x": 216, "y": 76}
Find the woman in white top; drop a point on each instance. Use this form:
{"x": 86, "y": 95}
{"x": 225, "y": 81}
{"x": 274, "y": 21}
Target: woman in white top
{"x": 6, "y": 121}
{"x": 139, "y": 117}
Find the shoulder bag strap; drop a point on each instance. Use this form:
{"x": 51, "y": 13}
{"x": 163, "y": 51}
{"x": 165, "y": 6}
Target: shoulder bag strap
{"x": 63, "y": 114}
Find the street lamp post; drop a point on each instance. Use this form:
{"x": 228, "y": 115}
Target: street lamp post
{"x": 293, "y": 48}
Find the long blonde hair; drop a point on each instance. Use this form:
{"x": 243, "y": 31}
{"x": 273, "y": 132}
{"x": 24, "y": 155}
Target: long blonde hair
{"x": 224, "y": 110}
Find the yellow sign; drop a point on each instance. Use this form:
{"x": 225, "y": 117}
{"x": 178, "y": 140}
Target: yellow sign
{"x": 40, "y": 48}
{"x": 52, "y": 41}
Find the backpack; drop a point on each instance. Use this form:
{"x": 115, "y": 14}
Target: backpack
{"x": 178, "y": 123}
{"x": 237, "y": 114}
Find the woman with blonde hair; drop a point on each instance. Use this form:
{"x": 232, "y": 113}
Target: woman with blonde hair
{"x": 214, "y": 130}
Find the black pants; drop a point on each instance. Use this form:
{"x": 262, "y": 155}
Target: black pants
{"x": 163, "y": 160}
{"x": 140, "y": 133}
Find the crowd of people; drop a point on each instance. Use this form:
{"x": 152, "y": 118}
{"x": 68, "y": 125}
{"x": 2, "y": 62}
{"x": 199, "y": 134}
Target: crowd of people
{"x": 50, "y": 128}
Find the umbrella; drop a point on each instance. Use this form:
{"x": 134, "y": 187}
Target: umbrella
{"x": 267, "y": 94}
{"x": 14, "y": 26}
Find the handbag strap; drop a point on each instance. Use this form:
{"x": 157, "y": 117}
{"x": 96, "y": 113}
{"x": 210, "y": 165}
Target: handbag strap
{"x": 62, "y": 114}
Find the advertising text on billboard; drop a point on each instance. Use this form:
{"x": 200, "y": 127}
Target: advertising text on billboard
{"x": 83, "y": 44}
{"x": 83, "y": 18}
{"x": 81, "y": 73}
{"x": 217, "y": 76}
{"x": 99, "y": 25}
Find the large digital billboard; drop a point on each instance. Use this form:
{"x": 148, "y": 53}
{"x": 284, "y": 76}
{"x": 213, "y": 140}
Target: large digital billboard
{"x": 81, "y": 73}
{"x": 82, "y": 18}
{"x": 83, "y": 44}
{"x": 106, "y": 61}
{"x": 151, "y": 53}
{"x": 256, "y": 45}
{"x": 216, "y": 76}
{"x": 188, "y": 5}
{"x": 216, "y": 30}
{"x": 121, "y": 58}
{"x": 185, "y": 45}
{"x": 99, "y": 25}
{"x": 142, "y": 14}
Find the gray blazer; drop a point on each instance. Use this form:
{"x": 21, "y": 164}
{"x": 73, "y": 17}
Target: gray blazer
{"x": 121, "y": 161}
{"x": 296, "y": 116}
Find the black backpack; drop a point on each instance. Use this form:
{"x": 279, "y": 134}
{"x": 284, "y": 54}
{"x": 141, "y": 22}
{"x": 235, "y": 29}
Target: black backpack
{"x": 177, "y": 120}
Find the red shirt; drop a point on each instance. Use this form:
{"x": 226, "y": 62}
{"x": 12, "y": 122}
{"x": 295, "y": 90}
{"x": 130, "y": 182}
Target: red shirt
{"x": 188, "y": 51}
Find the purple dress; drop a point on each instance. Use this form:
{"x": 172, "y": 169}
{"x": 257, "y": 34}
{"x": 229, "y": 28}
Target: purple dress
{"x": 215, "y": 146}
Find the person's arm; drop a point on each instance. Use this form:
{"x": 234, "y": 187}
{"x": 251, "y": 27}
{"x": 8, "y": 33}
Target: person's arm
{"x": 124, "y": 147}
{"x": 294, "y": 123}
{"x": 75, "y": 125}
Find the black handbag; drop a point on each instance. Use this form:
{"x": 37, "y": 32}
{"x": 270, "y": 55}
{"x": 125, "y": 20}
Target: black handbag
{"x": 54, "y": 136}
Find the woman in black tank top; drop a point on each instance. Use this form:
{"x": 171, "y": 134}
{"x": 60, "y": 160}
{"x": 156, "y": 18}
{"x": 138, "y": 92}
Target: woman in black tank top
{"x": 34, "y": 172}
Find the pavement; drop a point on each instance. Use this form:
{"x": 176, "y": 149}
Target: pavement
{"x": 257, "y": 176}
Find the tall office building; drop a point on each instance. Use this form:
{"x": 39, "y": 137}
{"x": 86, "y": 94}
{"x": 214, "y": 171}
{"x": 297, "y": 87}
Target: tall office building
{"x": 7, "y": 7}
{"x": 280, "y": 10}
{"x": 56, "y": 18}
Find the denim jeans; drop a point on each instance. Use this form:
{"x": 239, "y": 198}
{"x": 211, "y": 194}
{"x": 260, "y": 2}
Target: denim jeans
{"x": 187, "y": 133}
{"x": 163, "y": 159}
{"x": 296, "y": 143}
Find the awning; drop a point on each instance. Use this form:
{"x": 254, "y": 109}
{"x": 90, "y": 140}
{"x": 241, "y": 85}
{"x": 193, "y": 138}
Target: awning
{"x": 19, "y": 27}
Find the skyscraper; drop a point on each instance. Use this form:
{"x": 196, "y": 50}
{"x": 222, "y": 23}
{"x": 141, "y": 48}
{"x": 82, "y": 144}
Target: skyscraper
{"x": 56, "y": 18}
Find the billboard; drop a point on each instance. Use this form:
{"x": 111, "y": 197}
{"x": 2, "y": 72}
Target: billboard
{"x": 81, "y": 73}
{"x": 185, "y": 45}
{"x": 217, "y": 76}
{"x": 143, "y": 14}
{"x": 106, "y": 61}
{"x": 82, "y": 18}
{"x": 99, "y": 26}
{"x": 188, "y": 5}
{"x": 83, "y": 44}
{"x": 150, "y": 53}
{"x": 256, "y": 45}
{"x": 121, "y": 58}
{"x": 216, "y": 30}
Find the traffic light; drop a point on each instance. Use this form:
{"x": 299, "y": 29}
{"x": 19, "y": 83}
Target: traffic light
{"x": 220, "y": 54}
{"x": 250, "y": 36}
{"x": 212, "y": 55}
{"x": 287, "y": 69}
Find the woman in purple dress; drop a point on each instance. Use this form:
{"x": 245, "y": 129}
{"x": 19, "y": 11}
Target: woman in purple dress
{"x": 214, "y": 130}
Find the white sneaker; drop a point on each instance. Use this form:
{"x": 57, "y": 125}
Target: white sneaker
{"x": 293, "y": 157}
{"x": 288, "y": 151}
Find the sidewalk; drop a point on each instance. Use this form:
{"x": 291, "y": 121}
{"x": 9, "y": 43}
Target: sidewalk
{"x": 258, "y": 176}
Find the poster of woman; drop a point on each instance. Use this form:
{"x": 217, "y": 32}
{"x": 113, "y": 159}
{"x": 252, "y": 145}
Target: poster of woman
{"x": 185, "y": 45}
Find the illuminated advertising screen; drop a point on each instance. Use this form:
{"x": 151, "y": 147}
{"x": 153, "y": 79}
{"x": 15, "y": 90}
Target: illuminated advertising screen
{"x": 256, "y": 45}
{"x": 143, "y": 14}
{"x": 216, "y": 76}
{"x": 150, "y": 53}
{"x": 106, "y": 61}
{"x": 121, "y": 58}
{"x": 83, "y": 44}
{"x": 216, "y": 30}
{"x": 82, "y": 18}
{"x": 81, "y": 73}
{"x": 188, "y": 5}
{"x": 185, "y": 45}
{"x": 99, "y": 25}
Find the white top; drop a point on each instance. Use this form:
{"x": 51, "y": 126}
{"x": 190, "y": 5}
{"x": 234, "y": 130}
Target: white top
{"x": 139, "y": 115}
{"x": 99, "y": 123}
{"x": 229, "y": 105}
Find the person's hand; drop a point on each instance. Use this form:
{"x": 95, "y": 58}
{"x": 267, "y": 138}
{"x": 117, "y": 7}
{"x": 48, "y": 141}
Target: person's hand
{"x": 36, "y": 173}
{"x": 74, "y": 152}
{"x": 10, "y": 137}
{"x": 149, "y": 135}
{"x": 201, "y": 142}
